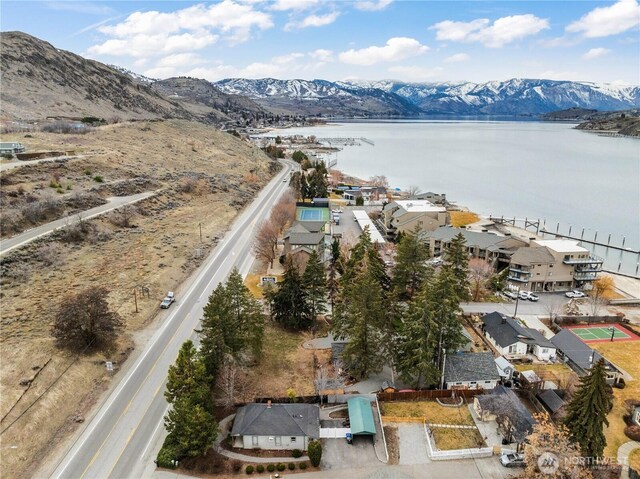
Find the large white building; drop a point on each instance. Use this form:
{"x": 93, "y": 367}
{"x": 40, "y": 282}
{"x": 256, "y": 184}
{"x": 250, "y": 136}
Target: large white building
{"x": 403, "y": 216}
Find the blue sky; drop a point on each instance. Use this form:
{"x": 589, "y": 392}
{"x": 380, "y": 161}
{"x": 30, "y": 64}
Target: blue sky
{"x": 418, "y": 41}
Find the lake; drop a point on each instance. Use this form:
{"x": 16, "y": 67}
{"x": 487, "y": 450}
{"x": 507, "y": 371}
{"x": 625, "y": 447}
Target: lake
{"x": 549, "y": 171}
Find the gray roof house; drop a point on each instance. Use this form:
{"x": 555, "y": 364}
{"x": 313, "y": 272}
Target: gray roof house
{"x": 470, "y": 371}
{"x": 504, "y": 406}
{"x": 512, "y": 339}
{"x": 275, "y": 426}
{"x": 550, "y": 400}
{"x": 579, "y": 356}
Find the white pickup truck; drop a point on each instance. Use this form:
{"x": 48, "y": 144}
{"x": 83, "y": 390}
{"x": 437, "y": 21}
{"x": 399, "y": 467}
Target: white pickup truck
{"x": 168, "y": 299}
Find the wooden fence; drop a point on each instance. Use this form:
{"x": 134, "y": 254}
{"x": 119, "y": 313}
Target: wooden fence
{"x": 429, "y": 394}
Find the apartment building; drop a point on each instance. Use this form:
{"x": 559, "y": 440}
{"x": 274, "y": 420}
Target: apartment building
{"x": 402, "y": 216}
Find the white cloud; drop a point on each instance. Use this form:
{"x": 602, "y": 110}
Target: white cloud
{"x": 555, "y": 75}
{"x": 605, "y": 21}
{"x": 416, "y": 73}
{"x": 86, "y": 8}
{"x": 595, "y": 53}
{"x": 395, "y": 50}
{"x": 156, "y": 33}
{"x": 180, "y": 60}
{"x": 503, "y": 31}
{"x": 458, "y": 57}
{"x": 313, "y": 21}
{"x": 322, "y": 55}
{"x": 372, "y": 5}
{"x": 563, "y": 41}
{"x": 294, "y": 4}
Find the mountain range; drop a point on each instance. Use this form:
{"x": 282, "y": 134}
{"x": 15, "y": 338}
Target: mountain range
{"x": 39, "y": 81}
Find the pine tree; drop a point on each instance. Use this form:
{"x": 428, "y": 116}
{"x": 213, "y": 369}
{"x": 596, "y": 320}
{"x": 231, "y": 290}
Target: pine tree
{"x": 335, "y": 255}
{"x": 191, "y": 427}
{"x": 411, "y": 269}
{"x": 456, "y": 260}
{"x": 587, "y": 412}
{"x": 315, "y": 284}
{"x": 289, "y": 303}
{"x": 188, "y": 377}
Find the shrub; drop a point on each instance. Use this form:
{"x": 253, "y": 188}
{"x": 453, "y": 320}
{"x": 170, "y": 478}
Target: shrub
{"x": 296, "y": 453}
{"x": 291, "y": 466}
{"x": 7, "y": 156}
{"x": 632, "y": 432}
{"x": 315, "y": 452}
{"x": 260, "y": 468}
{"x": 249, "y": 469}
{"x": 87, "y": 172}
{"x": 302, "y": 465}
{"x": 271, "y": 468}
{"x": 98, "y": 179}
{"x": 166, "y": 458}
{"x": 281, "y": 467}
{"x": 236, "y": 466}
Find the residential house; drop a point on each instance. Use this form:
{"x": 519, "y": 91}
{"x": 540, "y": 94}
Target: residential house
{"x": 511, "y": 339}
{"x": 435, "y": 198}
{"x": 276, "y": 426}
{"x": 505, "y": 368}
{"x": 369, "y": 194}
{"x": 11, "y": 148}
{"x": 553, "y": 265}
{"x": 579, "y": 356}
{"x": 403, "y": 216}
{"x": 491, "y": 247}
{"x": 470, "y": 371}
{"x": 504, "y": 406}
{"x": 302, "y": 239}
{"x": 635, "y": 416}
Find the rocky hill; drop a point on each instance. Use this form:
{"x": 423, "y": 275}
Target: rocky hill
{"x": 512, "y": 97}
{"x": 40, "y": 81}
{"x": 625, "y": 123}
{"x": 206, "y": 102}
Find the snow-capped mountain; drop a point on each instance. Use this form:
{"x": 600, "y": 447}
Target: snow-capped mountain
{"x": 511, "y": 97}
{"x": 136, "y": 76}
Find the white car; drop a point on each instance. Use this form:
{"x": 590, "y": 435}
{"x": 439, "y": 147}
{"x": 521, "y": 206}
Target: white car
{"x": 533, "y": 297}
{"x": 575, "y": 294}
{"x": 510, "y": 294}
{"x": 523, "y": 295}
{"x": 168, "y": 299}
{"x": 512, "y": 460}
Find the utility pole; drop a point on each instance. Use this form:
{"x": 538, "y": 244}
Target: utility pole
{"x": 200, "y": 224}
{"x": 135, "y": 298}
{"x": 515, "y": 312}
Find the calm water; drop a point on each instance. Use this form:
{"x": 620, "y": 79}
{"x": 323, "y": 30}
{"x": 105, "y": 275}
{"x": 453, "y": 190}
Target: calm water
{"x": 524, "y": 169}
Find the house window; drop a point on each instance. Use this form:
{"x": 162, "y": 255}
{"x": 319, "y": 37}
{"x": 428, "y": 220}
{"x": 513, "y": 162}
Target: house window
{"x": 293, "y": 439}
{"x": 278, "y": 440}
{"x": 474, "y": 382}
{"x": 487, "y": 382}
{"x": 254, "y": 440}
{"x": 545, "y": 350}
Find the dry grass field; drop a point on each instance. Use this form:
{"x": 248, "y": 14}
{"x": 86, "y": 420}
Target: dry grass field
{"x": 431, "y": 410}
{"x": 201, "y": 176}
{"x": 624, "y": 355}
{"x": 462, "y": 218}
{"x": 449, "y": 439}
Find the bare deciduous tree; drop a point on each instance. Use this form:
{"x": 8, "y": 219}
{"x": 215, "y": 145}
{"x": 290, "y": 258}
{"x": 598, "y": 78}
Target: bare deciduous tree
{"x": 230, "y": 382}
{"x": 266, "y": 242}
{"x": 553, "y": 306}
{"x": 601, "y": 290}
{"x": 413, "y": 190}
{"x": 379, "y": 180}
{"x": 84, "y": 320}
{"x": 123, "y": 216}
{"x": 284, "y": 211}
{"x": 480, "y": 271}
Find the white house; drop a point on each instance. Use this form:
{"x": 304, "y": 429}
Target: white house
{"x": 505, "y": 368}
{"x": 511, "y": 339}
{"x": 276, "y": 426}
{"x": 470, "y": 371}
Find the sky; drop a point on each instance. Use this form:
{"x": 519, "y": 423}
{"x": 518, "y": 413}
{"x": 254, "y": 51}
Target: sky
{"x": 415, "y": 41}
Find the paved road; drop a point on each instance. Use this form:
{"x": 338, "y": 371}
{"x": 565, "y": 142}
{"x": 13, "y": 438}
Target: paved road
{"x": 8, "y": 244}
{"x": 117, "y": 442}
{"x": 16, "y": 164}
{"x": 525, "y": 307}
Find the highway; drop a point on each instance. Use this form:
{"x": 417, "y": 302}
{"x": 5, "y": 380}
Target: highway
{"x": 117, "y": 441}
{"x": 21, "y": 239}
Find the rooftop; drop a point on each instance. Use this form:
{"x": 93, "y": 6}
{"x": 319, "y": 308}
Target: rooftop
{"x": 305, "y": 238}
{"x": 507, "y": 331}
{"x": 418, "y": 206}
{"x": 364, "y": 221}
{"x": 503, "y": 402}
{"x": 576, "y": 350}
{"x": 532, "y": 255}
{"x": 551, "y": 400}
{"x": 482, "y": 240}
{"x": 277, "y": 420}
{"x": 470, "y": 367}
{"x": 562, "y": 246}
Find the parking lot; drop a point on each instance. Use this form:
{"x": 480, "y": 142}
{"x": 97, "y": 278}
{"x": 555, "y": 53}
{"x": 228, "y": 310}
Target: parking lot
{"x": 337, "y": 454}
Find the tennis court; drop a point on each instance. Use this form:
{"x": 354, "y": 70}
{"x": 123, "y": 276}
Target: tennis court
{"x": 602, "y": 333}
{"x": 312, "y": 214}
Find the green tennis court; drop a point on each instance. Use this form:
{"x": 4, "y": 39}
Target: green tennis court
{"x": 599, "y": 333}
{"x": 312, "y": 214}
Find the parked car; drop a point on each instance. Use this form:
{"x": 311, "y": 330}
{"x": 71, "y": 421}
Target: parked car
{"x": 523, "y": 295}
{"x": 574, "y": 294}
{"x": 533, "y": 297}
{"x": 510, "y": 294}
{"x": 168, "y": 299}
{"x": 512, "y": 460}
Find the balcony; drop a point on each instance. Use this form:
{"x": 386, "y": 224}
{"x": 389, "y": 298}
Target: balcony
{"x": 590, "y": 260}
{"x": 519, "y": 279}
{"x": 585, "y": 276}
{"x": 519, "y": 271}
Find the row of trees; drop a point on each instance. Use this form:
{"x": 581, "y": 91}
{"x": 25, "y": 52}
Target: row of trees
{"x": 231, "y": 338}
{"x": 265, "y": 246}
{"x": 309, "y": 185}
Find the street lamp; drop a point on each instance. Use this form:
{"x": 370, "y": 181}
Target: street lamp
{"x": 613, "y": 331}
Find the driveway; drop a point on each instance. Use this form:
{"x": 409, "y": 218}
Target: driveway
{"x": 337, "y": 454}
{"x": 412, "y": 444}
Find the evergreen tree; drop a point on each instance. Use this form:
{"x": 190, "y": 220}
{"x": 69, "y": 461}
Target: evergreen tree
{"x": 191, "y": 427}
{"x": 290, "y": 303}
{"x": 333, "y": 287}
{"x": 232, "y": 320}
{"x": 411, "y": 269}
{"x": 188, "y": 377}
{"x": 315, "y": 284}
{"x": 359, "y": 317}
{"x": 587, "y": 412}
{"x": 335, "y": 254}
{"x": 456, "y": 260}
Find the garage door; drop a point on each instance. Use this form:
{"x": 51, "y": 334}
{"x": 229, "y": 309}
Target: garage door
{"x": 334, "y": 432}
